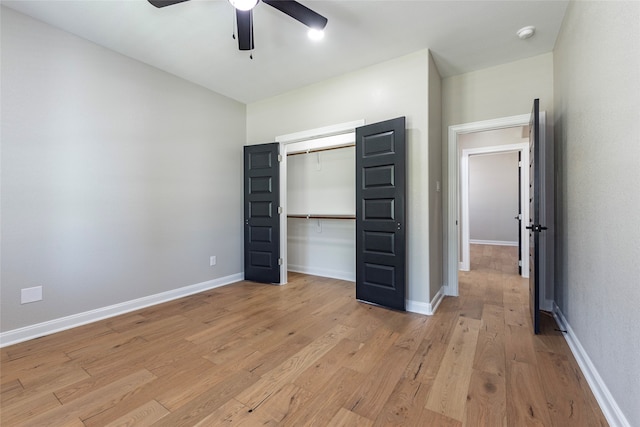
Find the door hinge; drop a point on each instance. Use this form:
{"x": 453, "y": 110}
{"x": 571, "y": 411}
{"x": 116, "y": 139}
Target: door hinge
{"x": 279, "y": 157}
{"x": 279, "y": 209}
{"x": 519, "y": 164}
{"x": 519, "y": 263}
{"x": 279, "y": 261}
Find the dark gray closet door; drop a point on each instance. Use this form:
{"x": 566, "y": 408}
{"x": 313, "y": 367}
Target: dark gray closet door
{"x": 380, "y": 213}
{"x": 261, "y": 218}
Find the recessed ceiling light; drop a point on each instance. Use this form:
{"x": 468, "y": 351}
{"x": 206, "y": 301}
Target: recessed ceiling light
{"x": 315, "y": 34}
{"x": 526, "y": 32}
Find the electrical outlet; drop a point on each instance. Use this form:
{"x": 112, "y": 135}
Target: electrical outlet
{"x": 212, "y": 260}
{"x": 28, "y": 295}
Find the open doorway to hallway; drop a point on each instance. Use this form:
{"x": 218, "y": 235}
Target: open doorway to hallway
{"x": 493, "y": 194}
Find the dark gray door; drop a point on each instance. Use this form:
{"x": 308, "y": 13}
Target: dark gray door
{"x": 261, "y": 218}
{"x": 534, "y": 226}
{"x": 380, "y": 213}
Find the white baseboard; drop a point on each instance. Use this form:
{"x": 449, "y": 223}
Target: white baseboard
{"x": 323, "y": 272}
{"x": 492, "y": 242}
{"x": 426, "y": 308}
{"x": 56, "y": 325}
{"x": 607, "y": 403}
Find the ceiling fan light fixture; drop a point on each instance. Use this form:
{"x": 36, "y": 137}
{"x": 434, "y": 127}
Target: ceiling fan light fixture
{"x": 315, "y": 34}
{"x": 243, "y": 4}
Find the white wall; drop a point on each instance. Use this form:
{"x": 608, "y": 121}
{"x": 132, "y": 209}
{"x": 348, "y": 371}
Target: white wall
{"x": 597, "y": 123}
{"x": 118, "y": 180}
{"x": 496, "y": 92}
{"x": 384, "y": 91}
{"x": 493, "y": 197}
{"x": 322, "y": 183}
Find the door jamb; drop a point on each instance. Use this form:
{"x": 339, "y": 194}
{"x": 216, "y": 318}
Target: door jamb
{"x": 523, "y": 148}
{"x": 324, "y": 137}
{"x": 451, "y": 287}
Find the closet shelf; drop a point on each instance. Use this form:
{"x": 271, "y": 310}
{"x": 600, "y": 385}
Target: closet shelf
{"x": 321, "y": 216}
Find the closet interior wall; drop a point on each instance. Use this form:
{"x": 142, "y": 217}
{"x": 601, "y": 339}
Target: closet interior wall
{"x": 321, "y": 212}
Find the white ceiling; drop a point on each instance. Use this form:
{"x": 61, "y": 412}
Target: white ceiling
{"x": 193, "y": 39}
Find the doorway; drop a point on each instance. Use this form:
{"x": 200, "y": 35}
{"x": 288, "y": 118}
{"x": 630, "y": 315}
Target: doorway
{"x": 498, "y": 215}
{"x": 453, "y": 195}
{"x": 341, "y": 135}
{"x": 453, "y": 216}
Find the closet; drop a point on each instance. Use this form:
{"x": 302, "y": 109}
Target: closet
{"x": 330, "y": 202}
{"x": 321, "y": 211}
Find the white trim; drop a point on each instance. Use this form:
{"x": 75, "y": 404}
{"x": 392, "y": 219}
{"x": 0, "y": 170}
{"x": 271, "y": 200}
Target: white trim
{"x": 56, "y": 325}
{"x": 494, "y": 243}
{"x": 320, "y": 132}
{"x": 610, "y": 408}
{"x": 465, "y": 262}
{"x": 428, "y": 309}
{"x": 325, "y": 142}
{"x": 323, "y": 272}
{"x": 451, "y": 287}
{"x": 324, "y": 137}
{"x": 418, "y": 307}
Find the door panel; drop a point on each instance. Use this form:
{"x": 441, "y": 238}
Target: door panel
{"x": 380, "y": 213}
{"x": 534, "y": 213}
{"x": 261, "y": 218}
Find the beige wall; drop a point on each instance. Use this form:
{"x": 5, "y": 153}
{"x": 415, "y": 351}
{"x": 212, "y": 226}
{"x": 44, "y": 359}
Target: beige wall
{"x": 597, "y": 124}
{"x": 501, "y": 91}
{"x": 118, "y": 180}
{"x": 384, "y": 91}
{"x": 436, "y": 254}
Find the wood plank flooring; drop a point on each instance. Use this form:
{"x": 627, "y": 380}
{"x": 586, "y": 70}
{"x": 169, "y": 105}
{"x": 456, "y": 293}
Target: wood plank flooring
{"x": 307, "y": 354}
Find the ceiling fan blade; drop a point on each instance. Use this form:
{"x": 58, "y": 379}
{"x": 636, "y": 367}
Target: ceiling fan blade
{"x": 245, "y": 29}
{"x": 163, "y": 3}
{"x": 299, "y": 12}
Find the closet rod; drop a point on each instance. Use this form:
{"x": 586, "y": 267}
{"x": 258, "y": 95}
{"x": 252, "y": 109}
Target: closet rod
{"x": 317, "y": 150}
{"x": 327, "y": 216}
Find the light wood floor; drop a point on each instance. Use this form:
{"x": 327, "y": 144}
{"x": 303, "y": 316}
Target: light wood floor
{"x": 306, "y": 354}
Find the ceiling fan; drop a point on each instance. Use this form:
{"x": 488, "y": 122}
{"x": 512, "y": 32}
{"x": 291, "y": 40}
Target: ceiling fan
{"x": 244, "y": 16}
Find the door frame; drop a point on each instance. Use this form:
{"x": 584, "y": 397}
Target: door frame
{"x": 523, "y": 148}
{"x": 324, "y": 137}
{"x": 453, "y": 185}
